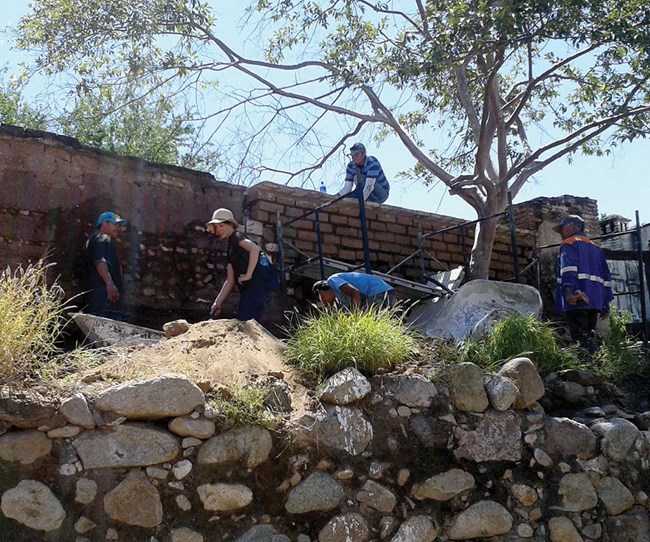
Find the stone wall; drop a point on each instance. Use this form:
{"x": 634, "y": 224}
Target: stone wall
{"x": 393, "y": 457}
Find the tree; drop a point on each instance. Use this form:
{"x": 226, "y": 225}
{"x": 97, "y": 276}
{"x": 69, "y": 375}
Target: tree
{"x": 482, "y": 72}
{"x": 148, "y": 127}
{"x": 15, "y": 110}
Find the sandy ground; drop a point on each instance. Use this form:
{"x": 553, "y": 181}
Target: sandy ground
{"x": 214, "y": 353}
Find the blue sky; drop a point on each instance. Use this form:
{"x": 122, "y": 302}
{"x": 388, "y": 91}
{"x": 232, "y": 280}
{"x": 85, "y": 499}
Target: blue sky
{"x": 620, "y": 182}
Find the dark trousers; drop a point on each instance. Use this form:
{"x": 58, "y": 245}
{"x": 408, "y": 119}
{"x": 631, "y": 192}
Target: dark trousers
{"x": 252, "y": 300}
{"x": 582, "y": 323}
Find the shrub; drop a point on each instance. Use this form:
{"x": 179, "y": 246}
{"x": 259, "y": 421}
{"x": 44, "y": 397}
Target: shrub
{"x": 31, "y": 320}
{"x": 372, "y": 340}
{"x": 245, "y": 406}
{"x": 519, "y": 335}
{"x": 619, "y": 356}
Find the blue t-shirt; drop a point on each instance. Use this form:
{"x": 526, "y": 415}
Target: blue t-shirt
{"x": 368, "y": 285}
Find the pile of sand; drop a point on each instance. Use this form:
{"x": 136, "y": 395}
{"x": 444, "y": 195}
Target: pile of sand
{"x": 214, "y": 353}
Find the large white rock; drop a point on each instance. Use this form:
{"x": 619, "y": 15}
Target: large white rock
{"x": 161, "y": 397}
{"x": 224, "y": 497}
{"x": 481, "y": 520}
{"x": 24, "y": 447}
{"x": 319, "y": 492}
{"x": 249, "y": 445}
{"x": 135, "y": 501}
{"x": 127, "y": 445}
{"x": 33, "y": 504}
{"x": 456, "y": 317}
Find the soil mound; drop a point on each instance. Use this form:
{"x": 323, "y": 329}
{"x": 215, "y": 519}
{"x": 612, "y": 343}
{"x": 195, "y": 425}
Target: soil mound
{"x": 214, "y": 353}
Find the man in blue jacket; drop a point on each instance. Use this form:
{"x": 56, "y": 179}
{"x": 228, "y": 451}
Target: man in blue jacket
{"x": 583, "y": 281}
{"x": 364, "y": 173}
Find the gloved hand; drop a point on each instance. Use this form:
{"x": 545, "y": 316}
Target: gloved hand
{"x": 577, "y": 296}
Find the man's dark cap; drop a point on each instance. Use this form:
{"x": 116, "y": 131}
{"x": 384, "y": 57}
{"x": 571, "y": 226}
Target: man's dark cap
{"x": 357, "y": 148}
{"x": 320, "y": 286}
{"x": 573, "y": 220}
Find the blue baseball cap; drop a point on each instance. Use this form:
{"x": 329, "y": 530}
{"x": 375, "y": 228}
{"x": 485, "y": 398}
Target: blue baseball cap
{"x": 109, "y": 216}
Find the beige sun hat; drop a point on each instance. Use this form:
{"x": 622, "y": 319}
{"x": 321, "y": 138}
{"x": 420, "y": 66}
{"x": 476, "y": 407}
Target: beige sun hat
{"x": 223, "y": 215}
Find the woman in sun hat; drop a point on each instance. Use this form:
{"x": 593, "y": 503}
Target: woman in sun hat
{"x": 248, "y": 268}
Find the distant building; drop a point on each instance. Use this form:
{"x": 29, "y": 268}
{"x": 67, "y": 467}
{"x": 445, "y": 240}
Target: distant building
{"x": 621, "y": 253}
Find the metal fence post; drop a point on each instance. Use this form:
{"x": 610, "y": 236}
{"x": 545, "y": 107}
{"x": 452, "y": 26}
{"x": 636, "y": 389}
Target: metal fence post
{"x": 321, "y": 261}
{"x": 364, "y": 233}
{"x": 282, "y": 262}
{"x": 639, "y": 253}
{"x": 513, "y": 238}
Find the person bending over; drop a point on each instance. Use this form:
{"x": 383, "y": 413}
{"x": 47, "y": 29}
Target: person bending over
{"x": 354, "y": 290}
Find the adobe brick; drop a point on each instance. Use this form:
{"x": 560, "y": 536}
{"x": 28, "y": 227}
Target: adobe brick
{"x": 396, "y": 228}
{"x": 338, "y": 219}
{"x": 346, "y": 232}
{"x": 349, "y": 210}
{"x": 307, "y": 235}
{"x": 354, "y": 243}
{"x": 384, "y": 237}
{"x": 261, "y": 216}
{"x": 271, "y": 207}
{"x": 329, "y": 248}
{"x": 304, "y": 224}
{"x": 291, "y": 212}
{"x": 451, "y": 238}
{"x": 347, "y": 255}
{"x": 307, "y": 246}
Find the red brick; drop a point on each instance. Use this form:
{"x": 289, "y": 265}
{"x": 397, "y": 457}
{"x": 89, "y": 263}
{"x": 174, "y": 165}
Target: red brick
{"x": 270, "y": 207}
{"x": 307, "y": 235}
{"x": 384, "y": 237}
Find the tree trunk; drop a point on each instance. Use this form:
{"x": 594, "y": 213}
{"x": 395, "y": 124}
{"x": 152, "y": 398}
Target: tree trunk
{"x": 479, "y": 263}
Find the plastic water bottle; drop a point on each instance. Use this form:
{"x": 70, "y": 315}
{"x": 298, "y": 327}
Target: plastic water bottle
{"x": 323, "y": 188}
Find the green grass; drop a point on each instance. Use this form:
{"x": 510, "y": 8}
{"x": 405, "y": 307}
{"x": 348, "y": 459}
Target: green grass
{"x": 519, "y": 335}
{"x": 31, "y": 320}
{"x": 245, "y": 406}
{"x": 620, "y": 357}
{"x": 372, "y": 340}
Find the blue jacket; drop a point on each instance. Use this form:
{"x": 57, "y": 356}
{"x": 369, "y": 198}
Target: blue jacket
{"x": 581, "y": 266}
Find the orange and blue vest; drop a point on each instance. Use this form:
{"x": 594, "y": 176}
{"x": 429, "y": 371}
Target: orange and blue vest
{"x": 581, "y": 265}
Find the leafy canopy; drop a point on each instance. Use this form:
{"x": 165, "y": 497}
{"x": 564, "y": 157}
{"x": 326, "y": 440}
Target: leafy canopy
{"x": 461, "y": 83}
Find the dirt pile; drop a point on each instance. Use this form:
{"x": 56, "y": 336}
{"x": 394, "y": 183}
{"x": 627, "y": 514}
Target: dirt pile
{"x": 214, "y": 353}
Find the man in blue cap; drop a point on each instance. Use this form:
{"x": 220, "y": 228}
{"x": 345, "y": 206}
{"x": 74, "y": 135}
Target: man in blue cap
{"x": 583, "y": 281}
{"x": 104, "y": 272}
{"x": 364, "y": 173}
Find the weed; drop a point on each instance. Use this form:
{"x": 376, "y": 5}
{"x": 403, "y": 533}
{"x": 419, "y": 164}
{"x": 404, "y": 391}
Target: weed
{"x": 31, "y": 321}
{"x": 373, "y": 339}
{"x": 245, "y": 406}
{"x": 620, "y": 357}
{"x": 519, "y": 335}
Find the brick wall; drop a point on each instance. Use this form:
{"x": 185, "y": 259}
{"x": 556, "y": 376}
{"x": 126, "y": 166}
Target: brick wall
{"x": 392, "y": 232}
{"x": 53, "y": 189}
